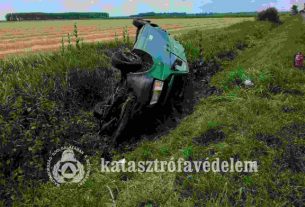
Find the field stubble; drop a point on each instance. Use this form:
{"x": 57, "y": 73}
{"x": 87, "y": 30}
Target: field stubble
{"x": 24, "y": 37}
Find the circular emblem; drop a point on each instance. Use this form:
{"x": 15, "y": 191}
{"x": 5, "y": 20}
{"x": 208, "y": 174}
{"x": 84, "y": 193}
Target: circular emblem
{"x": 68, "y": 165}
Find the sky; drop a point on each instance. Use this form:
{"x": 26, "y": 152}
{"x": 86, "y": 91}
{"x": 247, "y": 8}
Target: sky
{"x": 128, "y": 7}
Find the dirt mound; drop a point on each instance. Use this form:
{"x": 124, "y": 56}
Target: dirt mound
{"x": 278, "y": 89}
{"x": 148, "y": 203}
{"x": 230, "y": 55}
{"x": 211, "y": 136}
{"x": 270, "y": 140}
{"x": 293, "y": 131}
{"x": 288, "y": 109}
{"x": 85, "y": 88}
{"x": 293, "y": 156}
{"x": 202, "y": 74}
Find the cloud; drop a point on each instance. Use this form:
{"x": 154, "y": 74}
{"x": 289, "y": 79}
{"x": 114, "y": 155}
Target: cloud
{"x": 137, "y": 6}
{"x": 282, "y": 5}
{"x": 5, "y": 9}
{"x": 79, "y": 5}
{"x": 205, "y": 2}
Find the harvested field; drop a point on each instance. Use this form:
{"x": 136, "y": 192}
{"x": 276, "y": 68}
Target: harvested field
{"x": 24, "y": 37}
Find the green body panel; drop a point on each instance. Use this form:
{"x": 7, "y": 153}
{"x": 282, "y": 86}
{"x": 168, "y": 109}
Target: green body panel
{"x": 164, "y": 51}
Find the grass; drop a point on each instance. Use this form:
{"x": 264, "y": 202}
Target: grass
{"x": 241, "y": 113}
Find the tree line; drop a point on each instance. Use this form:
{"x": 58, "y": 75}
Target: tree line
{"x": 56, "y": 16}
{"x": 185, "y": 15}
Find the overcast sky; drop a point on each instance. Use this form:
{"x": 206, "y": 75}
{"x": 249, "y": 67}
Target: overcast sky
{"x": 128, "y": 7}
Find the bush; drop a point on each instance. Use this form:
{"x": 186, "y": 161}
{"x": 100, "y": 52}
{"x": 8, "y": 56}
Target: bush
{"x": 270, "y": 14}
{"x": 294, "y": 10}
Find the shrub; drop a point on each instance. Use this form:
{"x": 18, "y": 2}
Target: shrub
{"x": 238, "y": 75}
{"x": 294, "y": 10}
{"x": 270, "y": 14}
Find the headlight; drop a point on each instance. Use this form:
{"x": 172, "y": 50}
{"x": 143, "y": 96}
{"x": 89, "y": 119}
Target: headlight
{"x": 177, "y": 65}
{"x": 157, "y": 89}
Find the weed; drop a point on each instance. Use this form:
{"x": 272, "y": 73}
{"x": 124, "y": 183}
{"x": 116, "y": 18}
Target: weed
{"x": 237, "y": 76}
{"x": 187, "y": 152}
{"x": 146, "y": 153}
{"x": 69, "y": 41}
{"x": 192, "y": 51}
{"x": 116, "y": 38}
{"x": 213, "y": 124}
{"x": 62, "y": 48}
{"x": 164, "y": 151}
{"x": 77, "y": 39}
{"x": 126, "y": 38}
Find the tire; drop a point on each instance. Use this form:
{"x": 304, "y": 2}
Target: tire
{"x": 126, "y": 61}
{"x": 154, "y": 25}
{"x": 139, "y": 23}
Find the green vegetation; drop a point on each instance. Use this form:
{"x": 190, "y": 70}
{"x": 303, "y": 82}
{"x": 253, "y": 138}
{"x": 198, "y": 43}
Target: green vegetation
{"x": 255, "y": 121}
{"x": 199, "y": 15}
{"x": 218, "y": 42}
{"x": 294, "y": 9}
{"x": 270, "y": 14}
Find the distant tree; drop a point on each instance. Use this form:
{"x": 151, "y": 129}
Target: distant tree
{"x": 270, "y": 14}
{"x": 7, "y": 17}
{"x": 294, "y": 10}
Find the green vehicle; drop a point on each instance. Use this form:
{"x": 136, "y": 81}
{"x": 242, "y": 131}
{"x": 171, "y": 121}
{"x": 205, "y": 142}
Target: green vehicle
{"x": 152, "y": 74}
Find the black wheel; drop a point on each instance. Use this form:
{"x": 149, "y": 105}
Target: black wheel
{"x": 154, "y": 25}
{"x": 126, "y": 61}
{"x": 139, "y": 23}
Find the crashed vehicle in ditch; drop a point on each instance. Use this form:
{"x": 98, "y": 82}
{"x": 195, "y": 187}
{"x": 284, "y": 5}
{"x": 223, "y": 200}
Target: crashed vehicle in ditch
{"x": 152, "y": 73}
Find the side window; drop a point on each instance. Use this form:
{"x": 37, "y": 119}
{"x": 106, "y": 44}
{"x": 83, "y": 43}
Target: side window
{"x": 156, "y": 45}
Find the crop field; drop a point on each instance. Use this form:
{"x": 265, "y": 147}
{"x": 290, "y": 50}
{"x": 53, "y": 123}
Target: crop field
{"x": 23, "y": 37}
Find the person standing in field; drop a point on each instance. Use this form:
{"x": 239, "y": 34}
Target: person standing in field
{"x": 299, "y": 60}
